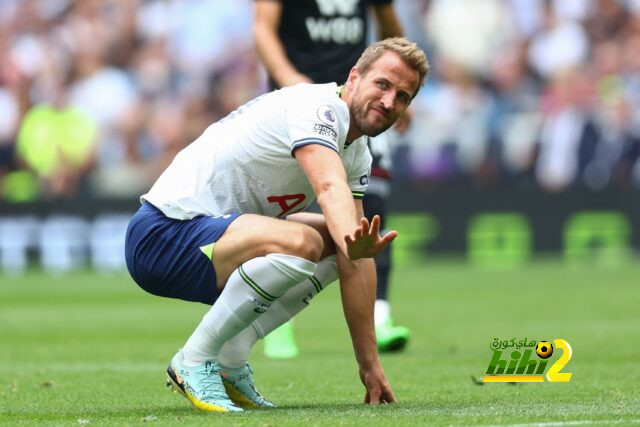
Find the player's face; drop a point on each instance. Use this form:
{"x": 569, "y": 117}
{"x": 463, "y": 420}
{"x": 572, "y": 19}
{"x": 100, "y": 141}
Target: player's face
{"x": 382, "y": 94}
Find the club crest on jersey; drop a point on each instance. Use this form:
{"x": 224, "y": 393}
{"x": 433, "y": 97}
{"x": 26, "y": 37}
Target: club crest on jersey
{"x": 327, "y": 115}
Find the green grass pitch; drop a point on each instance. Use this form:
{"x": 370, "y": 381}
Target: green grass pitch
{"x": 88, "y": 349}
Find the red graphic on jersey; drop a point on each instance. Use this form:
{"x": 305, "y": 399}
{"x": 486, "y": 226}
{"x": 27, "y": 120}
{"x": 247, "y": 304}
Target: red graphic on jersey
{"x": 283, "y": 201}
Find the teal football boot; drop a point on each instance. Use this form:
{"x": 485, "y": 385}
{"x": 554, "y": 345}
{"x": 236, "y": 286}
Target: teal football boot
{"x": 239, "y": 386}
{"x": 201, "y": 385}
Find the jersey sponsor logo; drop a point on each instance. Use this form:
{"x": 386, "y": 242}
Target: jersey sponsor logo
{"x": 340, "y": 30}
{"x": 327, "y": 115}
{"x": 364, "y": 179}
{"x": 334, "y": 7}
{"x": 284, "y": 202}
{"x": 325, "y": 130}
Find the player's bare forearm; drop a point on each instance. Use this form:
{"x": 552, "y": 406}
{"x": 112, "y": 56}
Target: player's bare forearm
{"x": 328, "y": 178}
{"x": 351, "y": 232}
{"x": 275, "y": 60}
{"x": 269, "y": 46}
{"x": 336, "y": 202}
{"x": 358, "y": 291}
{"x": 358, "y": 288}
{"x": 388, "y": 22}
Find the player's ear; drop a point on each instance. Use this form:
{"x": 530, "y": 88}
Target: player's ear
{"x": 354, "y": 75}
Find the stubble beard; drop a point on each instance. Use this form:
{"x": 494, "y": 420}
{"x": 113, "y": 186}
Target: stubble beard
{"x": 360, "y": 119}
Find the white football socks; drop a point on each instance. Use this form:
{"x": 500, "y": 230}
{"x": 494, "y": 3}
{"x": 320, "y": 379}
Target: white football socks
{"x": 250, "y": 291}
{"x": 235, "y": 352}
{"x": 381, "y": 312}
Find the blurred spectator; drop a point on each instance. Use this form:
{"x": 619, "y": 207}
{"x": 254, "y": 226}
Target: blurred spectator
{"x": 515, "y": 117}
{"x": 523, "y": 92}
{"x": 565, "y": 107}
{"x": 467, "y": 32}
{"x": 56, "y": 142}
{"x": 454, "y": 127}
{"x": 561, "y": 44}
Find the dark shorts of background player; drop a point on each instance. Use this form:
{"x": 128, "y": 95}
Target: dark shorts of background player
{"x": 164, "y": 258}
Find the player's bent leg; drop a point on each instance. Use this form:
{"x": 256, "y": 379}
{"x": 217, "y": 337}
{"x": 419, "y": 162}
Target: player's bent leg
{"x": 250, "y": 292}
{"x": 298, "y": 297}
{"x": 172, "y": 258}
{"x": 318, "y": 223}
{"x": 235, "y": 352}
{"x": 251, "y": 236}
{"x": 281, "y": 343}
{"x": 260, "y": 276}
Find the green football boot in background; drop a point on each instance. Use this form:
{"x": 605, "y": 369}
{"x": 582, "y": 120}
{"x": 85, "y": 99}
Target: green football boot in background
{"x": 391, "y": 338}
{"x": 281, "y": 343}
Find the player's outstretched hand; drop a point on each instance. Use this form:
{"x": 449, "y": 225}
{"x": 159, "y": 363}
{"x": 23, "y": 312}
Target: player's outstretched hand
{"x": 365, "y": 241}
{"x": 378, "y": 388}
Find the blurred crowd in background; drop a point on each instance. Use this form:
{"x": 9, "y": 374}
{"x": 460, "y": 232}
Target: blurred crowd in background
{"x": 97, "y": 96}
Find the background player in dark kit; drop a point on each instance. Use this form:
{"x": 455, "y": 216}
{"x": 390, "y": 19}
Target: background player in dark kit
{"x": 319, "y": 41}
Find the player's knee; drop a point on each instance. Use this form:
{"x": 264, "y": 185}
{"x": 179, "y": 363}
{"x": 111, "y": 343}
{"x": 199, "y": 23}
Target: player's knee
{"x": 308, "y": 244}
{"x": 302, "y": 241}
{"x": 318, "y": 223}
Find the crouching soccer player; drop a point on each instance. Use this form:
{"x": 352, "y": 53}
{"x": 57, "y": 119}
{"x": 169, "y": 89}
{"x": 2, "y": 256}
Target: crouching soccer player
{"x": 223, "y": 223}
{"x": 293, "y": 52}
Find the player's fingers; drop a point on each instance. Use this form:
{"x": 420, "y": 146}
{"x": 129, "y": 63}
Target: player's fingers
{"x": 349, "y": 239}
{"x": 388, "y": 238}
{"x": 374, "y": 396}
{"x": 374, "y": 230}
{"x": 364, "y": 225}
{"x": 388, "y": 396}
{"x": 357, "y": 234}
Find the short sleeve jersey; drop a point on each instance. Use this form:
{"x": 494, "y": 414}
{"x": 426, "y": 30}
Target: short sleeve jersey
{"x": 246, "y": 161}
{"x": 324, "y": 38}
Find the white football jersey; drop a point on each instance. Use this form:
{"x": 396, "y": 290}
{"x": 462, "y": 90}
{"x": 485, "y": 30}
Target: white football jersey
{"x": 245, "y": 162}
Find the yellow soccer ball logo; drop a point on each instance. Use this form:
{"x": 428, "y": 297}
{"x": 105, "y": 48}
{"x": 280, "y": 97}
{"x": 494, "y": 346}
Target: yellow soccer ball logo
{"x": 544, "y": 349}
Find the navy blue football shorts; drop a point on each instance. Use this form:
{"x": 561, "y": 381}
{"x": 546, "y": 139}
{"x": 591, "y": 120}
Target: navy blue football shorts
{"x": 170, "y": 257}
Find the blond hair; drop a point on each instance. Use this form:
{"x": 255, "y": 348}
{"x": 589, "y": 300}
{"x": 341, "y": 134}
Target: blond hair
{"x": 405, "y": 49}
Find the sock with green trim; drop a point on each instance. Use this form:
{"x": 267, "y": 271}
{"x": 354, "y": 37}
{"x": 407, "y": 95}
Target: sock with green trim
{"x": 249, "y": 293}
{"x": 235, "y": 352}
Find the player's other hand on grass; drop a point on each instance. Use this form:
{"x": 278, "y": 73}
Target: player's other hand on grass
{"x": 378, "y": 388}
{"x": 365, "y": 241}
